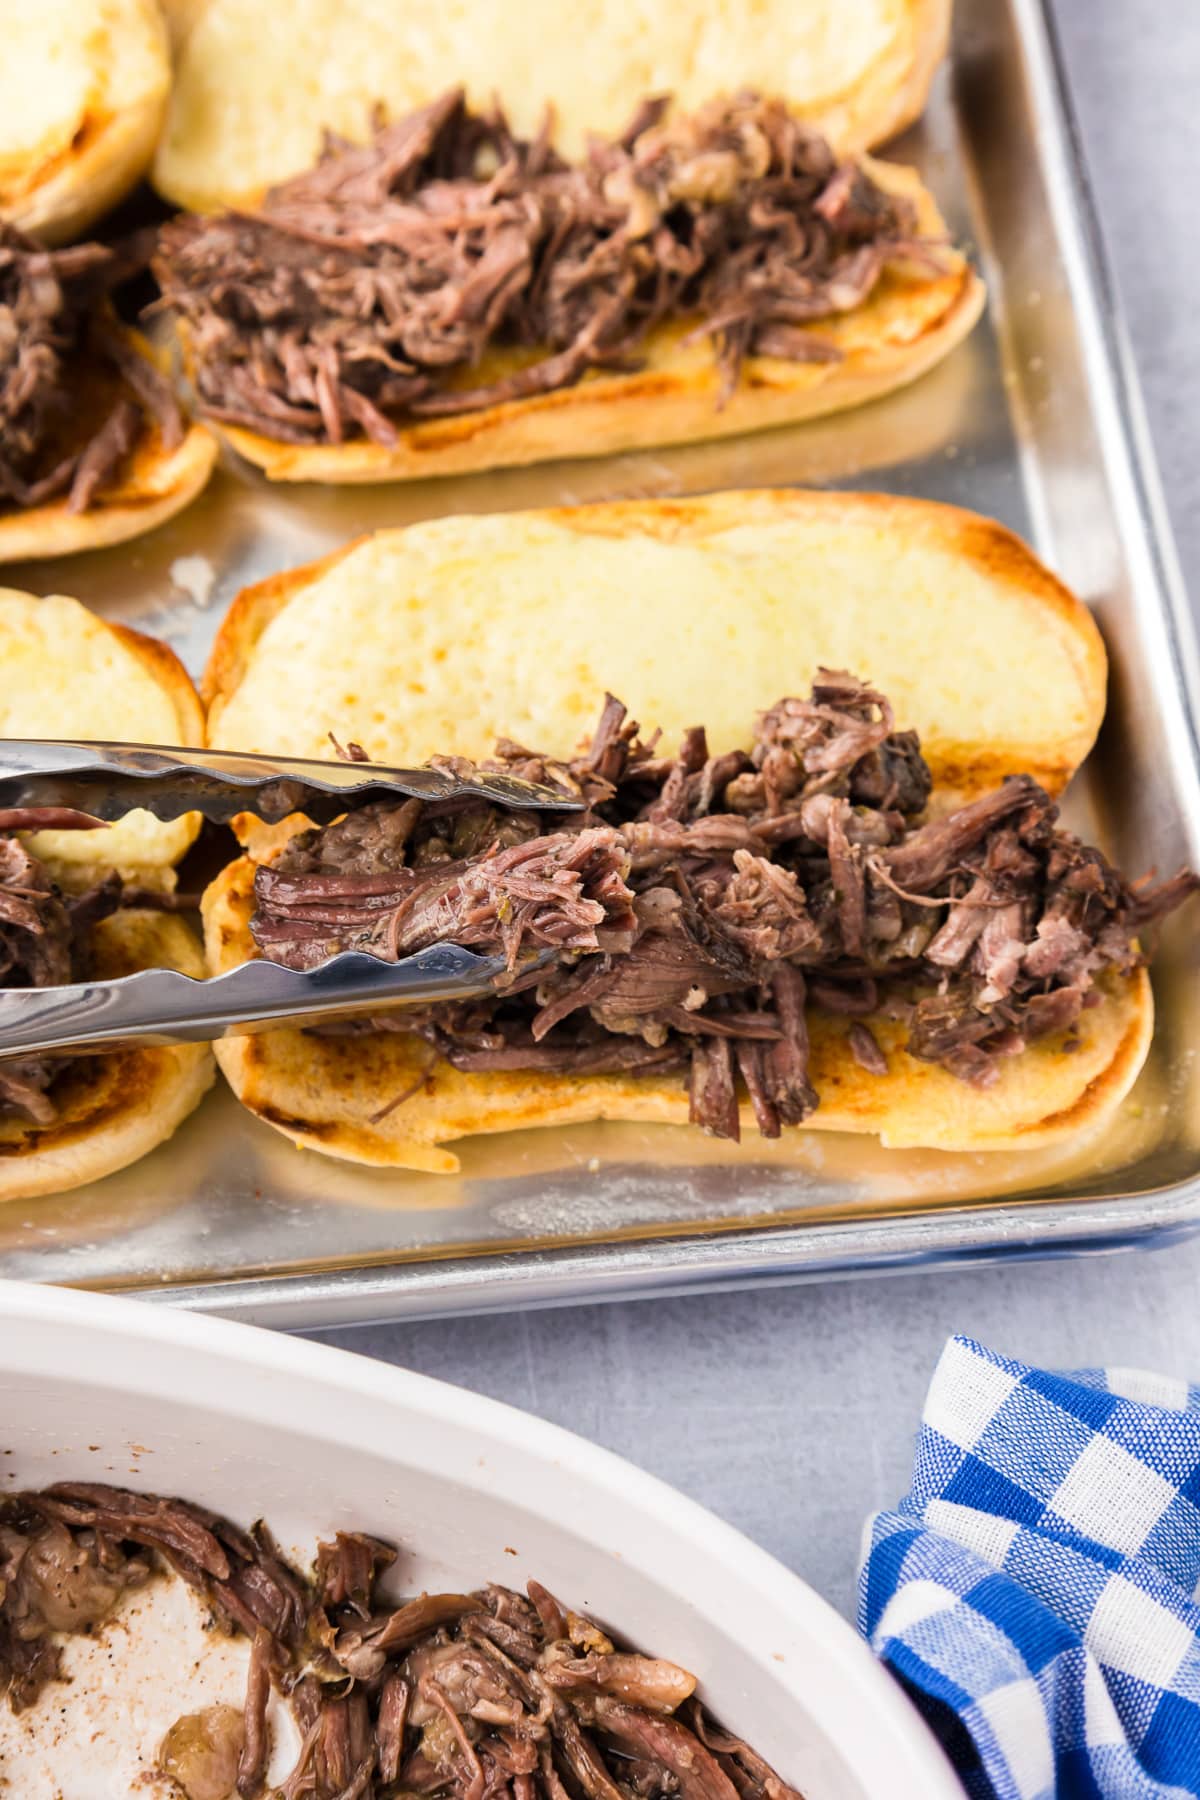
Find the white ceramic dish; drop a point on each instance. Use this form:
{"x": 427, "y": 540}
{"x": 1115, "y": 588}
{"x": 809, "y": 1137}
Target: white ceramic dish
{"x": 312, "y": 1439}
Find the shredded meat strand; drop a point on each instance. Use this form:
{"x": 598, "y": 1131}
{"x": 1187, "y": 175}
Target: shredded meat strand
{"x": 57, "y": 337}
{"x": 377, "y": 286}
{"x": 485, "y": 1696}
{"x": 701, "y": 903}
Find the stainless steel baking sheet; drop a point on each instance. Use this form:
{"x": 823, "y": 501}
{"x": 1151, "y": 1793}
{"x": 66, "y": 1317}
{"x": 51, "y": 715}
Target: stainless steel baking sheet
{"x": 1034, "y": 421}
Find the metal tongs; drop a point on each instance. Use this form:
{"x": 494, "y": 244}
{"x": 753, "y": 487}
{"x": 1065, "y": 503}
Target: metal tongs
{"x": 161, "y": 1006}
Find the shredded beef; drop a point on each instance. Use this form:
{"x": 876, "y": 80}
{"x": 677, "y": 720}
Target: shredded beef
{"x": 492, "y": 1695}
{"x": 701, "y": 902}
{"x": 565, "y": 891}
{"x": 52, "y": 1580}
{"x": 369, "y": 289}
{"x": 44, "y": 943}
{"x": 59, "y": 346}
{"x": 241, "y": 1574}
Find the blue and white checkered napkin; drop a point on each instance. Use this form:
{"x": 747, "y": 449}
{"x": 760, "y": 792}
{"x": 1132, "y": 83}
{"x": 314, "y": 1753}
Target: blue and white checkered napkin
{"x": 1036, "y": 1593}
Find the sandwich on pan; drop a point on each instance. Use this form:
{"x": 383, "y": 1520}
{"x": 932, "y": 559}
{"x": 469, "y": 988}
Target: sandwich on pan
{"x": 79, "y": 902}
{"x": 472, "y": 287}
{"x": 817, "y": 916}
{"x": 83, "y": 95}
{"x": 450, "y": 297}
{"x": 93, "y": 446}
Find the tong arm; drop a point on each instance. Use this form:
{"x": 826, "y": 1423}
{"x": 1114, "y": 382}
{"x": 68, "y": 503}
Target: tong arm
{"x": 163, "y": 1007}
{"x": 108, "y": 780}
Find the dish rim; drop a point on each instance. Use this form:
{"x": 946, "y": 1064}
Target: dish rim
{"x": 236, "y": 1369}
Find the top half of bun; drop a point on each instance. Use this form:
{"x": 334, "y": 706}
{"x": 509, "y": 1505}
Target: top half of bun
{"x": 83, "y": 94}
{"x": 65, "y": 673}
{"x": 445, "y": 635}
{"x": 256, "y": 85}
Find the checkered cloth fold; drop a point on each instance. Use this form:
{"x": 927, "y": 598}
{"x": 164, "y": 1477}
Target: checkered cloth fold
{"x": 1036, "y": 1592}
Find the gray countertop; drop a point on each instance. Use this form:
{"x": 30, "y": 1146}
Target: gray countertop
{"x": 792, "y": 1413}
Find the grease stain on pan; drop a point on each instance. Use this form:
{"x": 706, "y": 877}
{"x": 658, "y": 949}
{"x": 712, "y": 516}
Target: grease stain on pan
{"x": 96, "y": 1735}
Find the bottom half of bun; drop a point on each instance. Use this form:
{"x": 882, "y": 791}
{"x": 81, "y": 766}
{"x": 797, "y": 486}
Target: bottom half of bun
{"x": 342, "y": 1095}
{"x": 152, "y": 483}
{"x": 112, "y": 1109}
{"x": 673, "y": 397}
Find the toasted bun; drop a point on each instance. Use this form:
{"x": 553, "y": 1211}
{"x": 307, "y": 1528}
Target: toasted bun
{"x": 448, "y": 634}
{"x": 66, "y": 673}
{"x": 155, "y": 484}
{"x": 83, "y": 95}
{"x": 181, "y": 16}
{"x": 256, "y": 88}
{"x": 902, "y": 330}
{"x": 336, "y": 1094}
{"x": 112, "y": 1109}
{"x": 442, "y": 636}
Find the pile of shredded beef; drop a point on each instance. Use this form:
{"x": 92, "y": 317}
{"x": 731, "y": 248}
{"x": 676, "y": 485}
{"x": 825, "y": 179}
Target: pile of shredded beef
{"x": 43, "y": 943}
{"x": 484, "y": 1696}
{"x": 701, "y": 901}
{"x": 366, "y": 289}
{"x": 57, "y": 338}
